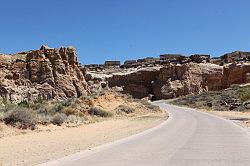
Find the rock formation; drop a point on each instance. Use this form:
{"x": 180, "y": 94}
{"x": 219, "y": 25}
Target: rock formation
{"x": 176, "y": 80}
{"x": 47, "y": 73}
{"x": 51, "y": 73}
{"x": 138, "y": 83}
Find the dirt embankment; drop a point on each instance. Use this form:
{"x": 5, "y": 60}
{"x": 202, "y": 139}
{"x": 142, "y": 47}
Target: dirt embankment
{"x": 126, "y": 116}
{"x": 56, "y": 142}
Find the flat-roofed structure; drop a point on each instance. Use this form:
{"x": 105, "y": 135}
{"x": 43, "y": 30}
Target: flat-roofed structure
{"x": 170, "y": 57}
{"x": 112, "y": 63}
{"x": 130, "y": 62}
{"x": 147, "y": 59}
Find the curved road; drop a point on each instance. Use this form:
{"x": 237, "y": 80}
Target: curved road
{"x": 188, "y": 137}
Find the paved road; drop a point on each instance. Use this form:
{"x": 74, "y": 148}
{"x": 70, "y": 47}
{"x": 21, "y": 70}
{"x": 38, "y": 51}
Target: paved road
{"x": 187, "y": 138}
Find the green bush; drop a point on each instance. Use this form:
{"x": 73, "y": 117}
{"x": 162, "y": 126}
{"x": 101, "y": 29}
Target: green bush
{"x": 24, "y": 104}
{"x": 99, "y": 112}
{"x": 244, "y": 94}
{"x": 21, "y": 118}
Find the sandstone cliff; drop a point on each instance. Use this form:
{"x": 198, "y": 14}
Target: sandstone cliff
{"x": 176, "y": 80}
{"x": 47, "y": 73}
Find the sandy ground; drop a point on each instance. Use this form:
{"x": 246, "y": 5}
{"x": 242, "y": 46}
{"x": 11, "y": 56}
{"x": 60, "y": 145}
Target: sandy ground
{"x": 34, "y": 147}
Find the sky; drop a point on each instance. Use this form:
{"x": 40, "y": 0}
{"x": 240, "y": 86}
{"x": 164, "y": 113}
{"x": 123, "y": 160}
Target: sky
{"x": 126, "y": 29}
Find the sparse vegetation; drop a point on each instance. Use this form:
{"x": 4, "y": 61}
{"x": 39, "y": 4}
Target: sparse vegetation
{"x": 21, "y": 118}
{"x": 55, "y": 108}
{"x": 124, "y": 109}
{"x": 228, "y": 99}
{"x": 27, "y": 114}
{"x": 59, "y": 119}
{"x": 69, "y": 111}
{"x": 244, "y": 94}
{"x": 153, "y": 108}
{"x": 99, "y": 112}
{"x": 24, "y": 104}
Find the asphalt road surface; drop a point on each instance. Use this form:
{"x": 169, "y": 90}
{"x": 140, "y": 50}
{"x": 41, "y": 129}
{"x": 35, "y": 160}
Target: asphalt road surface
{"x": 187, "y": 138}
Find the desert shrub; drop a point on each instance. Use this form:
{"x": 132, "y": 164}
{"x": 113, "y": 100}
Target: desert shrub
{"x": 77, "y": 101}
{"x": 67, "y": 102}
{"x": 125, "y": 109}
{"x": 69, "y": 111}
{"x": 21, "y": 118}
{"x": 43, "y": 119}
{"x": 1, "y": 101}
{"x": 40, "y": 109}
{"x": 59, "y": 119}
{"x": 134, "y": 100}
{"x": 80, "y": 114}
{"x": 39, "y": 104}
{"x": 39, "y": 99}
{"x": 72, "y": 119}
{"x": 55, "y": 108}
{"x": 99, "y": 112}
{"x": 244, "y": 94}
{"x": 24, "y": 104}
{"x": 153, "y": 108}
{"x": 9, "y": 106}
{"x": 2, "y": 113}
{"x": 85, "y": 98}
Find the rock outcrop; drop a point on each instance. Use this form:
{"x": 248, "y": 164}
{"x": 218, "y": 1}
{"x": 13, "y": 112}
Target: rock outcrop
{"x": 47, "y": 74}
{"x": 176, "y": 80}
{"x": 138, "y": 83}
{"x": 236, "y": 74}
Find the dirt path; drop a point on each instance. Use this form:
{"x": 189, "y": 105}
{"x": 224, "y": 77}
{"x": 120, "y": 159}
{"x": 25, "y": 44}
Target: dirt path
{"x": 38, "y": 147}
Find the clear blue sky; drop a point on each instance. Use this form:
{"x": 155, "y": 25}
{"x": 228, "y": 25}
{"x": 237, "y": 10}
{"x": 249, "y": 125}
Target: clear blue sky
{"x": 126, "y": 29}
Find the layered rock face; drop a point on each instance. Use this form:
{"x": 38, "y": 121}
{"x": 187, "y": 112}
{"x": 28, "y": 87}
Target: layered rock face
{"x": 236, "y": 74}
{"x": 138, "y": 84}
{"x": 176, "y": 80}
{"x": 47, "y": 73}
